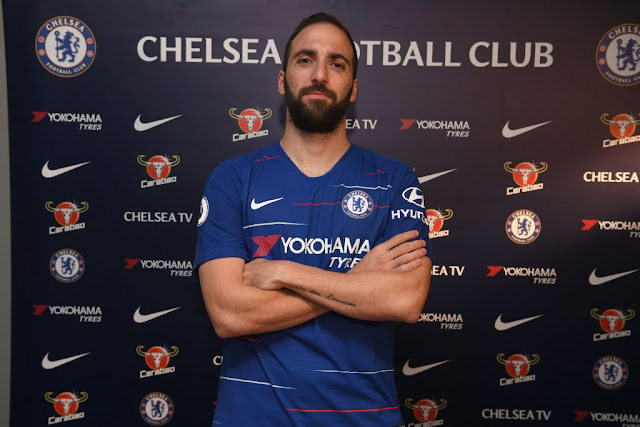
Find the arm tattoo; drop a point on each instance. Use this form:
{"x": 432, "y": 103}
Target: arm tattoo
{"x": 332, "y": 298}
{"x": 311, "y": 291}
{"x": 329, "y": 297}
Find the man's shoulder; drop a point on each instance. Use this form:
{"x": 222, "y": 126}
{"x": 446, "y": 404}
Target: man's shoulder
{"x": 245, "y": 161}
{"x": 387, "y": 164}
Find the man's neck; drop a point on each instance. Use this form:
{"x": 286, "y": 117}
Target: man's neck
{"x": 314, "y": 153}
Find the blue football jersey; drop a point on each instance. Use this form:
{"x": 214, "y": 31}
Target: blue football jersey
{"x": 332, "y": 370}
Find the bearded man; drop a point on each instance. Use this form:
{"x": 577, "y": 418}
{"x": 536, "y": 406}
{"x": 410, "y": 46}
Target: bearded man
{"x": 303, "y": 267}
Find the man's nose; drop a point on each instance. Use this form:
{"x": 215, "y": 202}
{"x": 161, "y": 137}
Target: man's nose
{"x": 320, "y": 73}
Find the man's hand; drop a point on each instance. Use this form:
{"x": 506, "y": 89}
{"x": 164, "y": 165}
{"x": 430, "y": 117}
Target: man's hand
{"x": 261, "y": 273}
{"x": 399, "y": 253}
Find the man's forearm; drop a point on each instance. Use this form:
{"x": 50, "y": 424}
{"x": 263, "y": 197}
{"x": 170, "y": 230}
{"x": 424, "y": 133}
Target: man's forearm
{"x": 237, "y": 310}
{"x": 368, "y": 295}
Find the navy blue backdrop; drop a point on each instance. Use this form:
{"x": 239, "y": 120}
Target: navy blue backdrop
{"x": 520, "y": 120}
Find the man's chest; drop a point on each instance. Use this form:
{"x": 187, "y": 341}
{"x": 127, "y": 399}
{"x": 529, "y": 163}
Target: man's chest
{"x": 326, "y": 222}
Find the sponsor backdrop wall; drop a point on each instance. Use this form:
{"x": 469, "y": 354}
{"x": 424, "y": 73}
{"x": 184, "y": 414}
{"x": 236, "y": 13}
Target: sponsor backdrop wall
{"x": 520, "y": 119}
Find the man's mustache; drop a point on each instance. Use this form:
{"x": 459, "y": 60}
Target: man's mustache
{"x": 318, "y": 88}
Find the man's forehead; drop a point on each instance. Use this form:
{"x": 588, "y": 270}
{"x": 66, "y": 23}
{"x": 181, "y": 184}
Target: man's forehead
{"x": 322, "y": 35}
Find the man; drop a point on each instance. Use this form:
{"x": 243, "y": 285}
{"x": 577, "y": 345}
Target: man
{"x": 304, "y": 259}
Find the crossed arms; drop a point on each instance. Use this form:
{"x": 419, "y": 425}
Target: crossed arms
{"x": 391, "y": 282}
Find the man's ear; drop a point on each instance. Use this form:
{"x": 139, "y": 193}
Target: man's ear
{"x": 281, "y": 82}
{"x": 354, "y": 91}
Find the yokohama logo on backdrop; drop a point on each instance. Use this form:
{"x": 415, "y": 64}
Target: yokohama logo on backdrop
{"x": 540, "y": 275}
{"x": 85, "y": 121}
{"x": 446, "y": 320}
{"x": 633, "y": 227}
{"x": 176, "y": 268}
{"x": 451, "y": 128}
{"x": 607, "y": 417}
{"x": 83, "y": 312}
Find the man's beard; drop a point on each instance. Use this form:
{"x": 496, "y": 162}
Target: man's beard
{"x": 319, "y": 116}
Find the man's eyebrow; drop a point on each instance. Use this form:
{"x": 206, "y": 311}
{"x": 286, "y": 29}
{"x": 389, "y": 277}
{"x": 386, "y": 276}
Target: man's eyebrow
{"x": 336, "y": 55}
{"x": 313, "y": 54}
{"x": 301, "y": 52}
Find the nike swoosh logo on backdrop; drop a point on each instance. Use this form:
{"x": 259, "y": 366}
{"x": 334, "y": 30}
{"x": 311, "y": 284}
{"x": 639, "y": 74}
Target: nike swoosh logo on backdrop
{"x": 422, "y": 179}
{"x": 595, "y": 280}
{"x": 510, "y": 133}
{"x": 503, "y": 326}
{"x": 52, "y": 364}
{"x": 142, "y": 318}
{"x": 141, "y": 127}
{"x": 52, "y": 173}
{"x": 255, "y": 205}
{"x": 408, "y": 370}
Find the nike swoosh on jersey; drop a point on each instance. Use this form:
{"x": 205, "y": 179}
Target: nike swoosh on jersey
{"x": 255, "y": 206}
{"x": 52, "y": 364}
{"x": 52, "y": 173}
{"x": 595, "y": 280}
{"x": 503, "y": 326}
{"x": 142, "y": 318}
{"x": 141, "y": 127}
{"x": 409, "y": 371}
{"x": 510, "y": 133}
{"x": 426, "y": 178}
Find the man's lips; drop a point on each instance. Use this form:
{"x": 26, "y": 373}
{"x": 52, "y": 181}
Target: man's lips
{"x": 318, "y": 95}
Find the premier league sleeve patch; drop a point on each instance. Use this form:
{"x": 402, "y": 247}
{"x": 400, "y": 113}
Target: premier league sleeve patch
{"x": 204, "y": 211}
{"x": 65, "y": 46}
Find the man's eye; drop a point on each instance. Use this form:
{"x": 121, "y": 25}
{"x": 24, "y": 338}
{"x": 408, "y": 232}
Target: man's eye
{"x": 338, "y": 65}
{"x": 304, "y": 61}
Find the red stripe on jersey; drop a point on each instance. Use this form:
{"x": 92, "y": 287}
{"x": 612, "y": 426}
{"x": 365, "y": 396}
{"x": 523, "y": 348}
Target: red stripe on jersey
{"x": 343, "y": 410}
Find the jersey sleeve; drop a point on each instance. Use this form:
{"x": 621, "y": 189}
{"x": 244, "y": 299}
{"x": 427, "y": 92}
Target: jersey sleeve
{"x": 220, "y": 233}
{"x": 407, "y": 210}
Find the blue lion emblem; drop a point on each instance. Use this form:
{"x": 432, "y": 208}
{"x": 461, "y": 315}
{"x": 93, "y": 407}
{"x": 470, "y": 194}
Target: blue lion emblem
{"x": 157, "y": 408}
{"x": 627, "y": 55}
{"x": 67, "y": 46}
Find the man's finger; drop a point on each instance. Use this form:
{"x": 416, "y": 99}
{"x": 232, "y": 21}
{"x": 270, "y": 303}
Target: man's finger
{"x": 406, "y": 247}
{"x": 410, "y": 265}
{"x": 408, "y": 257}
{"x": 399, "y": 239}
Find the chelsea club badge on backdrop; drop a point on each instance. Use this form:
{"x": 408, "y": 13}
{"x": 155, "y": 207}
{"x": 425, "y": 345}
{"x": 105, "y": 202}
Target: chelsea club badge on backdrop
{"x": 65, "y": 46}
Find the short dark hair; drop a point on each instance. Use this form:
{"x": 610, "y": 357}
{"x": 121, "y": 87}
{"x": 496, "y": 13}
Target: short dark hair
{"x": 318, "y": 18}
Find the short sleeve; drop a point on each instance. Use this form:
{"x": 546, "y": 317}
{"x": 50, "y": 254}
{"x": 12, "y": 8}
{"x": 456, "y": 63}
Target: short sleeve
{"x": 220, "y": 232}
{"x": 407, "y": 210}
